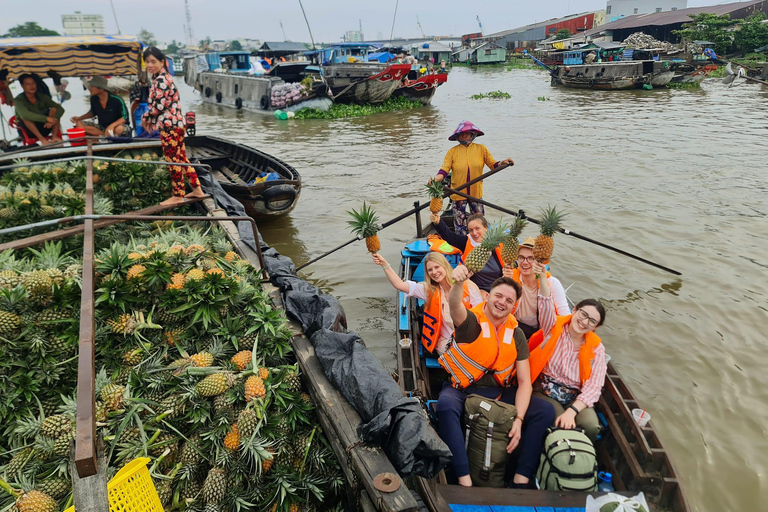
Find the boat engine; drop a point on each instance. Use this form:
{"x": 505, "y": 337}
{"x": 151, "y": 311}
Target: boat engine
{"x": 190, "y": 121}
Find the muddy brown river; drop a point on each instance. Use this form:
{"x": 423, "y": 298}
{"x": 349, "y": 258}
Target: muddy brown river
{"x": 675, "y": 176}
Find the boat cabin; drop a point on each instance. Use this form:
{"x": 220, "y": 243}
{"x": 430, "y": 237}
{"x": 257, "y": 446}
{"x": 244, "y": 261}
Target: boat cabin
{"x": 234, "y": 62}
{"x": 343, "y": 53}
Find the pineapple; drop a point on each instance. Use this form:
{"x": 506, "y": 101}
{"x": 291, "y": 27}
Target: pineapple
{"x": 125, "y": 324}
{"x": 9, "y": 322}
{"x": 9, "y": 278}
{"x": 231, "y": 256}
{"x": 11, "y": 302}
{"x": 246, "y": 341}
{"x": 195, "y": 275}
{"x": 215, "y": 384}
{"x": 215, "y": 486}
{"x": 545, "y": 244}
{"x": 293, "y": 382}
{"x": 7, "y": 212}
{"x": 173, "y": 335}
{"x": 36, "y": 501}
{"x": 19, "y": 461}
{"x": 194, "y": 249}
{"x": 306, "y": 399}
{"x": 247, "y": 421}
{"x": 202, "y": 359}
{"x": 254, "y": 388}
{"x": 232, "y": 439}
{"x": 216, "y": 271}
{"x": 511, "y": 243}
{"x": 177, "y": 282}
{"x": 54, "y": 426}
{"x": 435, "y": 191}
{"x": 364, "y": 224}
{"x": 112, "y": 396}
{"x": 47, "y": 211}
{"x": 133, "y": 357}
{"x": 242, "y": 359}
{"x": 478, "y": 257}
{"x": 189, "y": 455}
{"x": 266, "y": 464}
{"x": 38, "y": 283}
{"x": 61, "y": 446}
{"x": 135, "y": 272}
{"x": 165, "y": 492}
{"x": 53, "y": 315}
{"x": 56, "y": 488}
{"x": 263, "y": 373}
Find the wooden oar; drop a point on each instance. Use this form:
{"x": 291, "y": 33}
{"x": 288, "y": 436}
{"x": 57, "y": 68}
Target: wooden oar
{"x": 407, "y": 214}
{"x": 568, "y": 232}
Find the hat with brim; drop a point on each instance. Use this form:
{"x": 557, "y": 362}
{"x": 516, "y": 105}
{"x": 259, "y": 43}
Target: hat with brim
{"x": 465, "y": 127}
{"x": 98, "y": 81}
{"x": 528, "y": 242}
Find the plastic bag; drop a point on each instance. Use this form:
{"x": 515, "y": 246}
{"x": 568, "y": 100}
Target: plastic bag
{"x": 612, "y": 502}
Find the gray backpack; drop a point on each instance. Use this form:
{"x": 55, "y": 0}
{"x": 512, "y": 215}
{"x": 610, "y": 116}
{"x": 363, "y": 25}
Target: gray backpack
{"x": 487, "y": 424}
{"x": 568, "y": 462}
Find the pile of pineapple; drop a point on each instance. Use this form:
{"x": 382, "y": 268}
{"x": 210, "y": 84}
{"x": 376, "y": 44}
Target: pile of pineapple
{"x": 33, "y": 193}
{"x": 194, "y": 370}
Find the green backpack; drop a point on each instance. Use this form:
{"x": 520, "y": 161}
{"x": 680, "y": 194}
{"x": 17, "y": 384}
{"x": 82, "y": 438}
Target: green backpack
{"x": 568, "y": 462}
{"x": 487, "y": 424}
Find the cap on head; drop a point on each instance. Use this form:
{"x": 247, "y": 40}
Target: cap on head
{"x": 529, "y": 242}
{"x": 98, "y": 81}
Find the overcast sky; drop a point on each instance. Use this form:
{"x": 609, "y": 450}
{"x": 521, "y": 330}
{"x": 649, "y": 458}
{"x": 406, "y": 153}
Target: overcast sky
{"x": 329, "y": 19}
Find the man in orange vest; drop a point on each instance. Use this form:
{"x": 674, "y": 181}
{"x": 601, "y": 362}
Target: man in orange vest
{"x": 489, "y": 351}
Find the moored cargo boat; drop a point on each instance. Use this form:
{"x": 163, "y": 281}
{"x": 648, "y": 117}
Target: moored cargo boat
{"x": 423, "y": 88}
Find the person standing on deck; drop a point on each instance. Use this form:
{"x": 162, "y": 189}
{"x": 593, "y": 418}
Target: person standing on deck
{"x": 465, "y": 162}
{"x": 165, "y": 115}
{"x": 489, "y": 352}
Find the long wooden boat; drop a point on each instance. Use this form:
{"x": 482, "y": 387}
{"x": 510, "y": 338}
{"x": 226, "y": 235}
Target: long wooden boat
{"x": 422, "y": 89}
{"x": 634, "y": 455}
{"x": 236, "y": 167}
{"x": 364, "y": 82}
{"x": 604, "y": 84}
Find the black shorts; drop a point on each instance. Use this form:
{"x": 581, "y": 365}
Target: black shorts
{"x": 45, "y": 132}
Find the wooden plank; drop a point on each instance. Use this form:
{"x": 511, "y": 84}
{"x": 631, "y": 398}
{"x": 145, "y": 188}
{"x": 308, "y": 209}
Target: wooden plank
{"x": 458, "y": 495}
{"x": 642, "y": 443}
{"x": 622, "y": 442}
{"x": 234, "y": 178}
{"x": 76, "y": 230}
{"x": 90, "y": 492}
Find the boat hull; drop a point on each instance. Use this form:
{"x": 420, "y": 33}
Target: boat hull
{"x": 662, "y": 79}
{"x": 422, "y": 89}
{"x": 364, "y": 82}
{"x": 602, "y": 84}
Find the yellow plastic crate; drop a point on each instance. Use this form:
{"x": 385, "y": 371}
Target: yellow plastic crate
{"x": 132, "y": 490}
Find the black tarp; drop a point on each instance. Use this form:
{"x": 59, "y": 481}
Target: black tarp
{"x": 389, "y": 419}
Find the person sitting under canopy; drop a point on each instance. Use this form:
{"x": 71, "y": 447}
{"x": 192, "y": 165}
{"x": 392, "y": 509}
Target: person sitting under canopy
{"x": 109, "y": 110}
{"x": 37, "y": 112}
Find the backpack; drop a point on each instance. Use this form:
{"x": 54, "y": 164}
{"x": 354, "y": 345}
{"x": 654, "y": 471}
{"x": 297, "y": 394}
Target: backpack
{"x": 568, "y": 462}
{"x": 487, "y": 424}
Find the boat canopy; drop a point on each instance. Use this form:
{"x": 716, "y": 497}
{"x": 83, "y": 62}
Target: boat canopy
{"x": 71, "y": 56}
{"x": 382, "y": 57}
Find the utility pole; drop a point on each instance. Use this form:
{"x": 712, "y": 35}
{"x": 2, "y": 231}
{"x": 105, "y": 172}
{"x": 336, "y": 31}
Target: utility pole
{"x": 421, "y": 29}
{"x": 480, "y": 23}
{"x": 281, "y": 28}
{"x": 115, "y": 15}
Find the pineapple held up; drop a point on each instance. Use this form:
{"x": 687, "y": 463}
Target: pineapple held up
{"x": 365, "y": 224}
{"x": 511, "y": 243}
{"x": 435, "y": 191}
{"x": 478, "y": 257}
{"x": 545, "y": 244}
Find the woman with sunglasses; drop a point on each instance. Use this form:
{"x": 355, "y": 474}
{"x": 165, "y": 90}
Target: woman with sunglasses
{"x": 568, "y": 366}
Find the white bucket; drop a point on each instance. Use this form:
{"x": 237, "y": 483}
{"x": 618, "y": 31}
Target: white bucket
{"x": 641, "y": 421}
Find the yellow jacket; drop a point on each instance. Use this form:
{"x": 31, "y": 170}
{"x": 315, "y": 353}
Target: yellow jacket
{"x": 467, "y": 161}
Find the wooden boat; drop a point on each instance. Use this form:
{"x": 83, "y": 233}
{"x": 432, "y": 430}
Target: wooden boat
{"x": 604, "y": 84}
{"x": 661, "y": 79}
{"x": 364, "y": 82}
{"x": 422, "y": 89}
{"x": 634, "y": 455}
{"x": 235, "y": 166}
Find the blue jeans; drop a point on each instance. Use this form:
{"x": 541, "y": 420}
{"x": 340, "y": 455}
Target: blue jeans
{"x": 450, "y": 408}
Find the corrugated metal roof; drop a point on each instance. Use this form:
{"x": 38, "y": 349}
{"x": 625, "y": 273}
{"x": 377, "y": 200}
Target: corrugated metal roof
{"x": 663, "y": 18}
{"x": 536, "y": 25}
{"x": 283, "y": 46}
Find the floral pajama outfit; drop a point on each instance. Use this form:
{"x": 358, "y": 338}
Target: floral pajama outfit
{"x": 165, "y": 115}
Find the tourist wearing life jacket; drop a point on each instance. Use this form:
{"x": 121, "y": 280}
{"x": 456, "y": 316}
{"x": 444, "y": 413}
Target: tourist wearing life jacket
{"x": 490, "y": 350}
{"x": 465, "y": 162}
{"x": 528, "y": 312}
{"x": 477, "y": 226}
{"x": 437, "y": 329}
{"x": 568, "y": 366}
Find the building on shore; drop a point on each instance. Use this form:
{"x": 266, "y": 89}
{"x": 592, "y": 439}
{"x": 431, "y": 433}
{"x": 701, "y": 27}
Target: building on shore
{"x": 79, "y": 24}
{"x": 529, "y": 35}
{"x": 616, "y": 9}
{"x": 662, "y": 25}
{"x": 353, "y": 36}
{"x": 483, "y": 53}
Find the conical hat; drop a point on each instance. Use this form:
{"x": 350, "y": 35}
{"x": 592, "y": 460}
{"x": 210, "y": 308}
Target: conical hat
{"x": 465, "y": 127}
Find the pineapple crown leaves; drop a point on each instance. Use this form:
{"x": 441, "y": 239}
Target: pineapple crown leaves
{"x": 495, "y": 235}
{"x": 364, "y": 223}
{"x": 52, "y": 256}
{"x": 434, "y": 189}
{"x": 550, "y": 220}
{"x": 517, "y": 227}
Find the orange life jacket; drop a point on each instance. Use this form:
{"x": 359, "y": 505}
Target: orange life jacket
{"x": 492, "y": 352}
{"x": 468, "y": 249}
{"x": 433, "y": 317}
{"x": 542, "y": 349}
{"x": 437, "y": 244}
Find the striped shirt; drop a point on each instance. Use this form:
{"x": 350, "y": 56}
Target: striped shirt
{"x": 563, "y": 367}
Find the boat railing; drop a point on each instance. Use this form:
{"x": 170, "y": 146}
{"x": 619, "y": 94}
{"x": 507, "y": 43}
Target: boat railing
{"x": 90, "y": 491}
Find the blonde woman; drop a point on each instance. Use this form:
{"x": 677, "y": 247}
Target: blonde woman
{"x": 437, "y": 329}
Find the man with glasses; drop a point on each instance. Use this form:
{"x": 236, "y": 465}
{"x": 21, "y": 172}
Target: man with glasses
{"x": 533, "y": 277}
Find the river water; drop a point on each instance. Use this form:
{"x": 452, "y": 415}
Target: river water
{"x": 674, "y": 176}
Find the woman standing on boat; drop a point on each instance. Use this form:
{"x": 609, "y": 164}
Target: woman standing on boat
{"x": 165, "y": 116}
{"x": 465, "y": 162}
{"x": 437, "y": 329}
{"x": 568, "y": 365}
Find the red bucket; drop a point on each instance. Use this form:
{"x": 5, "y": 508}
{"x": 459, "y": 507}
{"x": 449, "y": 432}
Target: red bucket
{"x": 76, "y": 133}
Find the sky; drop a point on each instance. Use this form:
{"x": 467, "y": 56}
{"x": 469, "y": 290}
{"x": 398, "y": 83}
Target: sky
{"x": 328, "y": 19}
